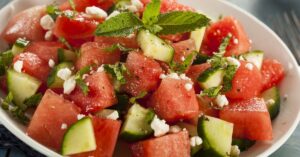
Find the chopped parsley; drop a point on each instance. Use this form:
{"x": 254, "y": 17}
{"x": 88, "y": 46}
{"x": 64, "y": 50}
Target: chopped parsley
{"x": 118, "y": 71}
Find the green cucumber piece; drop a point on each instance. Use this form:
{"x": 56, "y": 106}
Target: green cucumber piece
{"x": 22, "y": 86}
{"x": 19, "y": 46}
{"x": 272, "y": 99}
{"x": 155, "y": 47}
{"x": 137, "y": 123}
{"x": 212, "y": 77}
{"x": 79, "y": 138}
{"x": 66, "y": 55}
{"x": 197, "y": 35}
{"x": 216, "y": 135}
{"x": 243, "y": 144}
{"x": 58, "y": 82}
{"x": 256, "y": 57}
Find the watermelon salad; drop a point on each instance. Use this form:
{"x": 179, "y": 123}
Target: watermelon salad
{"x": 155, "y": 74}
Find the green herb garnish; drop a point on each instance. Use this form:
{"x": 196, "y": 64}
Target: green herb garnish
{"x": 211, "y": 92}
{"x": 79, "y": 80}
{"x": 117, "y": 46}
{"x": 72, "y": 4}
{"x": 53, "y": 11}
{"x": 22, "y": 42}
{"x": 6, "y": 59}
{"x": 141, "y": 95}
{"x": 182, "y": 67}
{"x": 33, "y": 100}
{"x": 223, "y": 46}
{"x": 118, "y": 71}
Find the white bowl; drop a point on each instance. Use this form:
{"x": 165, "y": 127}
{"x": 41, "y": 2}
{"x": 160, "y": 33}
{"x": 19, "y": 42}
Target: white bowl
{"x": 263, "y": 38}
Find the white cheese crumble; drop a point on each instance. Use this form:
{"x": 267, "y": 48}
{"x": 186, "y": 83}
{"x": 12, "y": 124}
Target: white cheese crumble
{"x": 221, "y": 101}
{"x": 137, "y": 3}
{"x": 195, "y": 141}
{"x": 182, "y": 58}
{"x": 100, "y": 69}
{"x": 235, "y": 151}
{"x": 80, "y": 116}
{"x": 113, "y": 116}
{"x": 51, "y": 63}
{"x": 188, "y": 86}
{"x": 69, "y": 85}
{"x": 48, "y": 36}
{"x": 249, "y": 66}
{"x": 233, "y": 61}
{"x": 175, "y": 76}
{"x": 113, "y": 14}
{"x": 18, "y": 66}
{"x": 84, "y": 76}
{"x": 175, "y": 129}
{"x": 68, "y": 13}
{"x": 64, "y": 73}
{"x": 96, "y": 12}
{"x": 47, "y": 22}
{"x": 159, "y": 126}
{"x": 64, "y": 126}
{"x": 235, "y": 41}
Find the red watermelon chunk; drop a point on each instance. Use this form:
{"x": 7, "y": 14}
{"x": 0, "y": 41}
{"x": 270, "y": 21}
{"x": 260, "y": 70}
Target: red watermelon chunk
{"x": 33, "y": 65}
{"x": 51, "y": 113}
{"x": 101, "y": 93}
{"x": 272, "y": 73}
{"x": 25, "y": 24}
{"x": 80, "y": 5}
{"x": 173, "y": 102}
{"x": 216, "y": 32}
{"x": 170, "y": 5}
{"x": 171, "y": 145}
{"x": 106, "y": 133}
{"x": 94, "y": 53}
{"x": 175, "y": 37}
{"x": 251, "y": 119}
{"x": 183, "y": 49}
{"x": 129, "y": 42}
{"x": 144, "y": 74}
{"x": 246, "y": 83}
{"x": 44, "y": 49}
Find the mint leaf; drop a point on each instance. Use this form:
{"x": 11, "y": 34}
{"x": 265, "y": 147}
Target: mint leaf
{"x": 65, "y": 42}
{"x": 223, "y": 46}
{"x": 82, "y": 71}
{"x": 211, "y": 92}
{"x": 6, "y": 59}
{"x": 154, "y": 28}
{"x": 141, "y": 95}
{"x": 181, "y": 22}
{"x": 118, "y": 71}
{"x": 80, "y": 82}
{"x": 228, "y": 76}
{"x": 33, "y": 100}
{"x": 151, "y": 13}
{"x": 53, "y": 11}
{"x": 182, "y": 67}
{"x": 117, "y": 46}
{"x": 121, "y": 25}
{"x": 72, "y": 4}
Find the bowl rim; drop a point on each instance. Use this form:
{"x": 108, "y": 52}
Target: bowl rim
{"x": 47, "y": 151}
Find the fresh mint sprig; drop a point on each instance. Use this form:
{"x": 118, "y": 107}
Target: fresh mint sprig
{"x": 168, "y": 23}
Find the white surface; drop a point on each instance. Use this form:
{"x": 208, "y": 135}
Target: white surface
{"x": 263, "y": 38}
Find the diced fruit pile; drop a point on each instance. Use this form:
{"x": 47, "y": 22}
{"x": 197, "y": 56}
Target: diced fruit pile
{"x": 153, "y": 73}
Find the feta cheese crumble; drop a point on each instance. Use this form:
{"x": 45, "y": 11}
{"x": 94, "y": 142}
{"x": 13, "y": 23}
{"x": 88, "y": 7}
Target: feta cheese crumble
{"x": 96, "y": 12}
{"x": 235, "y": 41}
{"x": 159, "y": 126}
{"x": 49, "y": 36}
{"x": 47, "y": 22}
{"x": 64, "y": 126}
{"x": 69, "y": 85}
{"x": 113, "y": 116}
{"x": 182, "y": 58}
{"x": 137, "y": 3}
{"x": 51, "y": 63}
{"x": 195, "y": 141}
{"x": 80, "y": 116}
{"x": 18, "y": 66}
{"x": 64, "y": 73}
{"x": 100, "y": 69}
{"x": 188, "y": 86}
{"x": 221, "y": 101}
{"x": 175, "y": 129}
{"x": 113, "y": 14}
{"x": 235, "y": 151}
{"x": 249, "y": 66}
{"x": 233, "y": 61}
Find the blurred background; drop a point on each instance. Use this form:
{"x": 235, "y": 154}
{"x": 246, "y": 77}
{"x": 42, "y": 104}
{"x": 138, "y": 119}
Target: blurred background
{"x": 283, "y": 16}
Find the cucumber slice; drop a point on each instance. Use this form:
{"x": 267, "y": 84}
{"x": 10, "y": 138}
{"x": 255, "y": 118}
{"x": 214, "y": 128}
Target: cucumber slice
{"x": 137, "y": 123}
{"x": 57, "y": 82}
{"x": 243, "y": 144}
{"x": 79, "y": 138}
{"x": 216, "y": 135}
{"x": 212, "y": 77}
{"x": 19, "y": 46}
{"x": 22, "y": 86}
{"x": 256, "y": 57}
{"x": 197, "y": 35}
{"x": 66, "y": 55}
{"x": 272, "y": 99}
{"x": 155, "y": 47}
